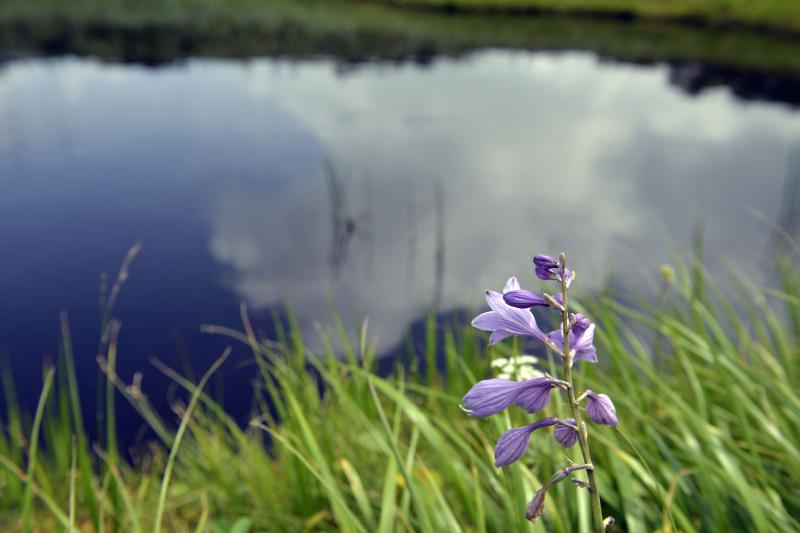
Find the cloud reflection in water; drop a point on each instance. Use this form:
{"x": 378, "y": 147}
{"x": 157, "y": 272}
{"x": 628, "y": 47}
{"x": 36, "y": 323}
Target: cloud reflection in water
{"x": 497, "y": 135}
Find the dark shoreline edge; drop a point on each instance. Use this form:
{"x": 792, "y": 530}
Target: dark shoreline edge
{"x": 697, "y": 21}
{"x": 752, "y": 67}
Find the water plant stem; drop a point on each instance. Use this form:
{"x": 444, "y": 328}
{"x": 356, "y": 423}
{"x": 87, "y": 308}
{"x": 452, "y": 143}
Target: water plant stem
{"x": 27, "y": 501}
{"x": 187, "y": 415}
{"x": 583, "y": 438}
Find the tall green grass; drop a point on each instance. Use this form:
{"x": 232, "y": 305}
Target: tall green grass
{"x": 709, "y": 434}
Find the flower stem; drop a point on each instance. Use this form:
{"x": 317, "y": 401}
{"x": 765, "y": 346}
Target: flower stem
{"x": 583, "y": 437}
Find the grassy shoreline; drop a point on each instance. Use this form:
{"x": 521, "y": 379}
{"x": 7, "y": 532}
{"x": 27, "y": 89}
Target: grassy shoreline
{"x": 703, "y": 379}
{"x": 760, "y": 66}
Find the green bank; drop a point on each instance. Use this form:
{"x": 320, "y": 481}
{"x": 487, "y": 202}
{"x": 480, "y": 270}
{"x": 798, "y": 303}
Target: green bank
{"x": 155, "y": 32}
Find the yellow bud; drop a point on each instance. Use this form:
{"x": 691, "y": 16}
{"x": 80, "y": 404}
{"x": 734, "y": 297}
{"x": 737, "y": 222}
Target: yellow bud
{"x": 667, "y": 274}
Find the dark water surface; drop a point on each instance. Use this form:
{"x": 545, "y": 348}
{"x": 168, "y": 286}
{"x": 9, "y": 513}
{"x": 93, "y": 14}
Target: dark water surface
{"x": 387, "y": 190}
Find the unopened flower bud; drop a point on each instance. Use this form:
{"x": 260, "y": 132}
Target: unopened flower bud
{"x": 601, "y": 409}
{"x": 545, "y": 261}
{"x": 667, "y": 274}
{"x": 565, "y": 433}
{"x": 522, "y": 299}
{"x": 536, "y": 505}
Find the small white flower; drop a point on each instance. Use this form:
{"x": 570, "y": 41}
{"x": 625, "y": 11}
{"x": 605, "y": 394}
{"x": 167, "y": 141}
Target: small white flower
{"x": 520, "y": 367}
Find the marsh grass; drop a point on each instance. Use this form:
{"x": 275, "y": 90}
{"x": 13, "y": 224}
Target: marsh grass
{"x": 708, "y": 437}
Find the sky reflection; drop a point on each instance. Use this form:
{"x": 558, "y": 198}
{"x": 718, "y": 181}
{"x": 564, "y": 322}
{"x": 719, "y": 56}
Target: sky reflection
{"x": 386, "y": 190}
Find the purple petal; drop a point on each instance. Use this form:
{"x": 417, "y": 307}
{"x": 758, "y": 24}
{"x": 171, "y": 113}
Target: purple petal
{"x": 536, "y": 397}
{"x": 581, "y": 324}
{"x": 544, "y": 274}
{"x": 523, "y": 299}
{"x": 491, "y": 396}
{"x": 511, "y": 319}
{"x": 585, "y": 339}
{"x": 514, "y": 442}
{"x": 581, "y": 345}
{"x": 495, "y": 301}
{"x": 601, "y": 409}
{"x": 584, "y": 348}
{"x": 557, "y": 337}
{"x": 504, "y": 320}
{"x": 512, "y": 445}
{"x": 511, "y": 285}
{"x": 488, "y": 321}
{"x": 498, "y": 335}
{"x": 545, "y": 261}
{"x": 566, "y": 435}
{"x": 589, "y": 355}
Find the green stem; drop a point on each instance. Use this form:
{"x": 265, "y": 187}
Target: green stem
{"x": 27, "y": 500}
{"x": 162, "y": 498}
{"x": 583, "y": 437}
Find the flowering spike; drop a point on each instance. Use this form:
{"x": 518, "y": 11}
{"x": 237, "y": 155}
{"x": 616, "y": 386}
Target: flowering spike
{"x": 565, "y": 433}
{"x": 510, "y": 315}
{"x": 514, "y": 442}
{"x": 601, "y": 409}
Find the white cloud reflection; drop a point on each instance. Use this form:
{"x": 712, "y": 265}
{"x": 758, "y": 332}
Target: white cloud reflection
{"x": 530, "y": 152}
{"x": 533, "y": 153}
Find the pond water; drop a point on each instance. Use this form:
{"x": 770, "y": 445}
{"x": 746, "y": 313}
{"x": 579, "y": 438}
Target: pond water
{"x": 385, "y": 190}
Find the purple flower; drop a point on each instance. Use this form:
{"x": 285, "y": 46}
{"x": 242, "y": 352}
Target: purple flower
{"x": 491, "y": 396}
{"x": 504, "y": 320}
{"x": 580, "y": 346}
{"x": 548, "y": 268}
{"x": 514, "y": 442}
{"x": 565, "y": 434}
{"x": 581, "y": 324}
{"x": 601, "y": 409}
